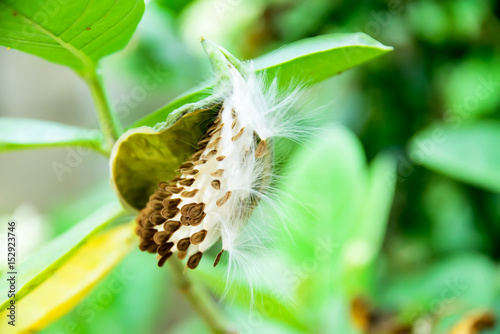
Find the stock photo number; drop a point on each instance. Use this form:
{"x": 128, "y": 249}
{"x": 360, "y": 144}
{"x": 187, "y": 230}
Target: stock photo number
{"x": 12, "y": 273}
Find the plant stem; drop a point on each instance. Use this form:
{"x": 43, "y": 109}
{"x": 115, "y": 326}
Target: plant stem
{"x": 110, "y": 126}
{"x": 199, "y": 299}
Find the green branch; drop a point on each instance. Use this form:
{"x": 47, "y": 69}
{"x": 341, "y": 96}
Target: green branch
{"x": 199, "y": 299}
{"x": 110, "y": 125}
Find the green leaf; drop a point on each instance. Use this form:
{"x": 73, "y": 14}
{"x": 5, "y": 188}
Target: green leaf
{"x": 46, "y": 261}
{"x": 72, "y": 33}
{"x": 21, "y": 133}
{"x": 315, "y": 59}
{"x": 363, "y": 249}
{"x": 72, "y": 280}
{"x": 322, "y": 209}
{"x": 307, "y": 61}
{"x": 468, "y": 153}
{"x": 124, "y": 286}
{"x": 453, "y": 285}
{"x": 266, "y": 302}
{"x": 327, "y": 203}
{"x": 160, "y": 115}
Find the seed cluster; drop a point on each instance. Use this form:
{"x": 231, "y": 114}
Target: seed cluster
{"x": 175, "y": 217}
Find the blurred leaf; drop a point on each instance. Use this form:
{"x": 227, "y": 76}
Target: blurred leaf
{"x": 130, "y": 283}
{"x": 67, "y": 212}
{"x": 57, "y": 252}
{"x": 307, "y": 61}
{"x": 176, "y": 6}
{"x": 470, "y": 88}
{"x": 324, "y": 205}
{"x": 449, "y": 208}
{"x": 22, "y": 133}
{"x": 326, "y": 188}
{"x": 191, "y": 325}
{"x": 69, "y": 283}
{"x": 468, "y": 153}
{"x": 363, "y": 249}
{"x": 456, "y": 284}
{"x": 76, "y": 34}
{"x": 437, "y": 26}
{"x": 264, "y": 302}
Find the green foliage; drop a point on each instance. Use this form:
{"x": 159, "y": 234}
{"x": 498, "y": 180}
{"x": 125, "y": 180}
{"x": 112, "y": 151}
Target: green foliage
{"x": 47, "y": 260}
{"x": 307, "y": 61}
{"x": 468, "y": 153}
{"x": 17, "y": 134}
{"x": 76, "y": 34}
{"x": 414, "y": 231}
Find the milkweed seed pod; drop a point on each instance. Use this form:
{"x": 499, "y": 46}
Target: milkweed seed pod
{"x": 189, "y": 199}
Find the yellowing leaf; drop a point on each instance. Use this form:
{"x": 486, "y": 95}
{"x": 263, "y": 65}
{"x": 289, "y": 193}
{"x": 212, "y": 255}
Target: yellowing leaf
{"x": 71, "y": 282}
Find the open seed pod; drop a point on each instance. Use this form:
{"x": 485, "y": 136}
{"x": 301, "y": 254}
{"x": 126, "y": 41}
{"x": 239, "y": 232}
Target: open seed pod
{"x": 196, "y": 178}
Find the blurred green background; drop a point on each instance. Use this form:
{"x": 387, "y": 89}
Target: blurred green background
{"x": 426, "y": 257}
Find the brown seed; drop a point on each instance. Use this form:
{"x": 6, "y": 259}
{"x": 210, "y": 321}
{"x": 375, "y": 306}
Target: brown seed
{"x": 161, "y": 237}
{"x": 187, "y": 182}
{"x": 185, "y": 209}
{"x": 144, "y": 245}
{"x": 197, "y": 221}
{"x": 183, "y": 244}
{"x": 217, "y": 132}
{"x": 217, "y": 258}
{"x": 196, "y": 210}
{"x": 162, "y": 185}
{"x": 199, "y": 162}
{"x": 169, "y": 213}
{"x": 214, "y": 143}
{"x": 156, "y": 219}
{"x": 233, "y": 112}
{"x": 261, "y": 149}
{"x": 181, "y": 255}
{"x": 163, "y": 259}
{"x": 238, "y": 135}
{"x": 217, "y": 173}
{"x": 210, "y": 154}
{"x": 212, "y": 128}
{"x": 156, "y": 205}
{"x": 223, "y": 199}
{"x": 234, "y": 124}
{"x": 163, "y": 194}
{"x": 152, "y": 248}
{"x": 174, "y": 189}
{"x": 198, "y": 237}
{"x": 187, "y": 164}
{"x": 137, "y": 230}
{"x": 185, "y": 220}
{"x": 146, "y": 223}
{"x": 215, "y": 184}
{"x": 220, "y": 157}
{"x": 204, "y": 140}
{"x": 148, "y": 233}
{"x": 189, "y": 194}
{"x": 139, "y": 221}
{"x": 214, "y": 132}
{"x": 155, "y": 197}
{"x": 196, "y": 155}
{"x": 165, "y": 248}
{"x": 194, "y": 260}
{"x": 189, "y": 171}
{"x": 171, "y": 203}
{"x": 171, "y": 225}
